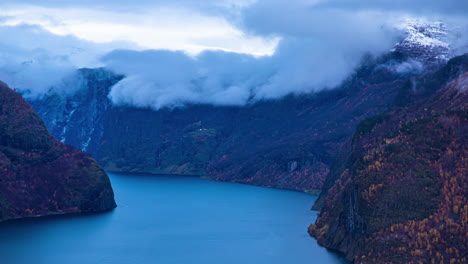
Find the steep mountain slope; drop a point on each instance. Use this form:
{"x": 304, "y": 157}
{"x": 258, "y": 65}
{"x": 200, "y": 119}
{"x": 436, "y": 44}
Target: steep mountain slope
{"x": 76, "y": 118}
{"x": 289, "y": 143}
{"x": 40, "y": 176}
{"x": 400, "y": 195}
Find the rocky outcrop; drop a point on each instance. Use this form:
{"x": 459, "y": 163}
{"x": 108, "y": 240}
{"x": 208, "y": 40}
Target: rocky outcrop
{"x": 400, "y": 194}
{"x": 40, "y": 176}
{"x": 76, "y": 116}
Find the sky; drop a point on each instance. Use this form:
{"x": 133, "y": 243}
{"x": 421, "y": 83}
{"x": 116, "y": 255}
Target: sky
{"x": 212, "y": 52}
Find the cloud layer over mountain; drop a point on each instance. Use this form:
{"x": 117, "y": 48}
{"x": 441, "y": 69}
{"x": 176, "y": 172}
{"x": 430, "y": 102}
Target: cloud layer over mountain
{"x": 320, "y": 44}
{"x": 32, "y": 59}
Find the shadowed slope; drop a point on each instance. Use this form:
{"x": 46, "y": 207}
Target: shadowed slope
{"x": 401, "y": 194}
{"x": 39, "y": 175}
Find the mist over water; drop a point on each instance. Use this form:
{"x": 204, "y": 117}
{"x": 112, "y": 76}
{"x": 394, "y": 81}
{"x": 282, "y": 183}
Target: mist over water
{"x": 165, "y": 220}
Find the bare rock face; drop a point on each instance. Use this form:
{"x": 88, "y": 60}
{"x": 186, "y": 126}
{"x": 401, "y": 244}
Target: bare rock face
{"x": 76, "y": 118}
{"x": 39, "y": 175}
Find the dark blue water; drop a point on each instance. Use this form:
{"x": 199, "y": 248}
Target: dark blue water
{"x": 178, "y": 220}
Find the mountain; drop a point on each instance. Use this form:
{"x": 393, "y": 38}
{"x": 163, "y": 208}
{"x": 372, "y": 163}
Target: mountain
{"x": 400, "y": 194}
{"x": 39, "y": 175}
{"x": 289, "y": 143}
{"x": 76, "y": 118}
{"x": 426, "y": 41}
{"x": 387, "y": 148}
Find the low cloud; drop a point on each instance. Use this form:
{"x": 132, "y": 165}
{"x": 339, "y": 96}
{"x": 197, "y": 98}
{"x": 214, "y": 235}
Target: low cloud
{"x": 212, "y": 77}
{"x": 322, "y": 43}
{"x": 168, "y": 79}
{"x": 36, "y": 62}
{"x": 29, "y": 67}
{"x": 318, "y": 50}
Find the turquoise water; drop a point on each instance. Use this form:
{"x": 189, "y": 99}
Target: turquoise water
{"x": 179, "y": 220}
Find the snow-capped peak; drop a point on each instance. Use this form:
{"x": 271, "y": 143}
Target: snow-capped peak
{"x": 425, "y": 41}
{"x": 429, "y": 34}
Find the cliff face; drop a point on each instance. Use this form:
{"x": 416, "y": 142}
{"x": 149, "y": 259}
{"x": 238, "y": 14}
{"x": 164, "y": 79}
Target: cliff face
{"x": 40, "y": 176}
{"x": 400, "y": 195}
{"x": 77, "y": 118}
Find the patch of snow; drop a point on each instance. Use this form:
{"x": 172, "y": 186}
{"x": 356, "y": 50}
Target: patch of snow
{"x": 64, "y": 130}
{"x": 427, "y": 41}
{"x": 86, "y": 144}
{"x": 427, "y": 34}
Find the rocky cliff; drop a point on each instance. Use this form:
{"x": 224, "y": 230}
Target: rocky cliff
{"x": 76, "y": 117}
{"x": 39, "y": 175}
{"x": 400, "y": 194}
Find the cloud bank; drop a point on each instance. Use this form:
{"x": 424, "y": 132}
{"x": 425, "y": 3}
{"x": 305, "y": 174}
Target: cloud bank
{"x": 33, "y": 60}
{"x": 209, "y": 52}
{"x": 318, "y": 50}
{"x": 153, "y": 27}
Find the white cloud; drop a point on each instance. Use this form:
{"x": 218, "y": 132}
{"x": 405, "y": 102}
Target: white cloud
{"x": 212, "y": 77}
{"x": 155, "y": 28}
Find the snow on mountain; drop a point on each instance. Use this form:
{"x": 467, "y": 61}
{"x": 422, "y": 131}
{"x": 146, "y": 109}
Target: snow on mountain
{"x": 425, "y": 41}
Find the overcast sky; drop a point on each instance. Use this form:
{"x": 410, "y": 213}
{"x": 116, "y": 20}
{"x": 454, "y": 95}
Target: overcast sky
{"x": 211, "y": 51}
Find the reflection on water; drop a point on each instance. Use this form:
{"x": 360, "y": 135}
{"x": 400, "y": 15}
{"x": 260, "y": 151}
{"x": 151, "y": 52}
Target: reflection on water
{"x": 180, "y": 220}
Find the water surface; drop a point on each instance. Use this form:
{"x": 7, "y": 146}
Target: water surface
{"x": 174, "y": 220}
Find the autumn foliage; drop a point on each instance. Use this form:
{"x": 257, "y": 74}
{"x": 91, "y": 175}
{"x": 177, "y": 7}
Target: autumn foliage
{"x": 403, "y": 195}
{"x": 39, "y": 175}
